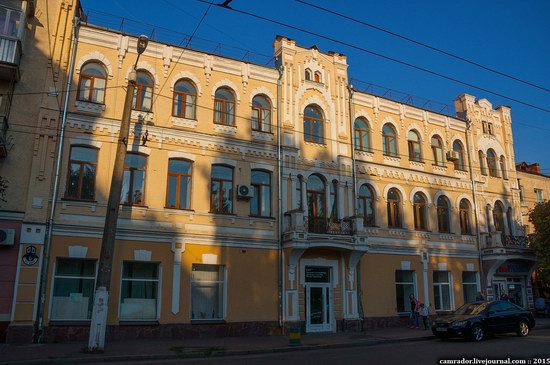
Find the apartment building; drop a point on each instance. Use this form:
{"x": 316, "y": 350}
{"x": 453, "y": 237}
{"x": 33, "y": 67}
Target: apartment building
{"x": 256, "y": 198}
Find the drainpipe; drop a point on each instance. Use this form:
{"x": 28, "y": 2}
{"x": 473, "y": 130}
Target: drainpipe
{"x": 474, "y": 192}
{"x": 280, "y": 202}
{"x": 49, "y": 225}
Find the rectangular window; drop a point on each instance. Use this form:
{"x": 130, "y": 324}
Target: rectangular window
{"x": 442, "y": 290}
{"x": 469, "y": 286}
{"x": 133, "y": 183}
{"x": 405, "y": 285}
{"x": 178, "y": 194}
{"x": 490, "y": 128}
{"x": 73, "y": 290}
{"x": 81, "y": 174}
{"x": 484, "y": 126}
{"x": 221, "y": 193}
{"x": 207, "y": 292}
{"x": 539, "y": 198}
{"x": 260, "y": 204}
{"x": 521, "y": 193}
{"x": 139, "y": 292}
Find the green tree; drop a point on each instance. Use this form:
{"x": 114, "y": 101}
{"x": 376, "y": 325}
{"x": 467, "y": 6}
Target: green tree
{"x": 3, "y": 187}
{"x": 540, "y": 217}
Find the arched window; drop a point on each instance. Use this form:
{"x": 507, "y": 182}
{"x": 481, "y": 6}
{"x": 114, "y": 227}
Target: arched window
{"x": 143, "y": 94}
{"x": 261, "y": 114}
{"x": 419, "y": 207}
{"x": 316, "y": 203}
{"x": 313, "y": 124}
{"x": 465, "y": 217}
{"x": 389, "y": 142}
{"x": 308, "y": 74}
{"x": 443, "y": 214}
{"x": 482, "y": 166}
{"x": 93, "y": 79}
{"x": 498, "y": 217}
{"x": 492, "y": 163}
{"x": 459, "y": 162}
{"x": 82, "y": 172}
{"x": 437, "y": 149}
{"x": 394, "y": 208}
{"x": 317, "y": 76}
{"x": 178, "y": 194}
{"x": 509, "y": 219}
{"x": 185, "y": 100}
{"x": 260, "y": 204}
{"x": 503, "y": 167}
{"x": 224, "y": 107}
{"x": 221, "y": 189}
{"x": 415, "y": 151}
{"x": 365, "y": 205}
{"x": 133, "y": 183}
{"x": 362, "y": 134}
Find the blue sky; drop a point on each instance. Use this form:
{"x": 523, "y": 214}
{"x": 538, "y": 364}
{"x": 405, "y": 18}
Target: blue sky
{"x": 512, "y": 37}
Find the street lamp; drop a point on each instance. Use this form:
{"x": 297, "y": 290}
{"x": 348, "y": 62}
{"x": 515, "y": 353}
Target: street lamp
{"x": 98, "y": 325}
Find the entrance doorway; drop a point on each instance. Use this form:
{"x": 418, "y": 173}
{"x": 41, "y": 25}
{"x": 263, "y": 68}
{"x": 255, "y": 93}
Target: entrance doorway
{"x": 512, "y": 289}
{"x": 319, "y": 301}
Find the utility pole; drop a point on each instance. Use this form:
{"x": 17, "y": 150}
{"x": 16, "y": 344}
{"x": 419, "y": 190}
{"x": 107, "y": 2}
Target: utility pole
{"x": 98, "y": 326}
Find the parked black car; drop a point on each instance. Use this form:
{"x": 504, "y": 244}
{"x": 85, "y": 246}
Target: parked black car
{"x": 478, "y": 319}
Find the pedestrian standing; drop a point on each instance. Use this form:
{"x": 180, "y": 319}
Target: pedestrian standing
{"x": 425, "y": 312}
{"x": 415, "y": 306}
{"x": 479, "y": 297}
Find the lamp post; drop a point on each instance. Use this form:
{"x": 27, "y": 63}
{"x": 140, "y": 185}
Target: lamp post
{"x": 98, "y": 326}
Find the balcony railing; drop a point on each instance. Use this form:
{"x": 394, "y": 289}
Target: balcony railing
{"x": 327, "y": 226}
{"x": 10, "y": 49}
{"x": 516, "y": 241}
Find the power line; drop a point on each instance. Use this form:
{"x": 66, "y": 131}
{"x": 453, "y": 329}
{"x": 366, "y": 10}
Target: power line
{"x": 486, "y": 68}
{"x": 380, "y": 55}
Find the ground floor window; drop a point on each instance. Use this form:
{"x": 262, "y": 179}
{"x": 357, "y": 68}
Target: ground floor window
{"x": 73, "y": 289}
{"x": 139, "y": 292}
{"x": 207, "y": 292}
{"x": 442, "y": 290}
{"x": 405, "y": 285}
{"x": 469, "y": 286}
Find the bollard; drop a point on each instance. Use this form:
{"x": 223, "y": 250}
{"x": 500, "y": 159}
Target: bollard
{"x": 295, "y": 336}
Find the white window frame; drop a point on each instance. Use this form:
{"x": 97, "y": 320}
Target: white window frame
{"x": 539, "y": 195}
{"x": 20, "y": 26}
{"x": 415, "y": 288}
{"x": 224, "y": 299}
{"x": 476, "y": 283}
{"x": 439, "y": 288}
{"x": 159, "y": 291}
{"x": 69, "y": 277}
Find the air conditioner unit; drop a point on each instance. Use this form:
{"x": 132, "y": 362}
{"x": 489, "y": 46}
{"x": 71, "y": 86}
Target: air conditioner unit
{"x": 7, "y": 236}
{"x": 245, "y": 192}
{"x": 453, "y": 156}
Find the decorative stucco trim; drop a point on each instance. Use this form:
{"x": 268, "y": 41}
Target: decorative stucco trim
{"x": 399, "y": 188}
{"x": 262, "y": 166}
{"x": 95, "y": 56}
{"x": 139, "y": 149}
{"x": 144, "y": 65}
{"x": 85, "y": 141}
{"x": 262, "y": 90}
{"x": 179, "y": 154}
{"x": 467, "y": 197}
{"x": 227, "y": 83}
{"x": 423, "y": 191}
{"x": 186, "y": 75}
{"x": 393, "y": 123}
{"x": 372, "y": 184}
{"x": 223, "y": 161}
{"x": 442, "y": 193}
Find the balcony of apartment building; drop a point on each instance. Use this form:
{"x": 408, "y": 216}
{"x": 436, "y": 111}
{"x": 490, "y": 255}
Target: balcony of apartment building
{"x": 5, "y": 101}
{"x": 12, "y": 24}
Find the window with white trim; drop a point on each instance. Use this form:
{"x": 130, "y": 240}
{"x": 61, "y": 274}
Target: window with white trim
{"x": 139, "y": 291}
{"x": 207, "y": 292}
{"x": 405, "y": 285}
{"x": 469, "y": 286}
{"x": 539, "y": 197}
{"x": 73, "y": 289}
{"x": 442, "y": 290}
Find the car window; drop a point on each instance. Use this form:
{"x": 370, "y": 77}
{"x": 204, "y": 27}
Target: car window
{"x": 471, "y": 308}
{"x": 503, "y": 306}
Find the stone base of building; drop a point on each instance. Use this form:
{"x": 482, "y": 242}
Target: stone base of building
{"x": 384, "y": 322}
{"x": 20, "y": 334}
{"x": 60, "y": 333}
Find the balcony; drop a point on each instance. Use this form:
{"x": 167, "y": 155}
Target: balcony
{"x": 516, "y": 241}
{"x": 327, "y": 226}
{"x": 12, "y": 24}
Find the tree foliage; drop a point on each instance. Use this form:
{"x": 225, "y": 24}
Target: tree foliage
{"x": 540, "y": 217}
{"x": 3, "y": 187}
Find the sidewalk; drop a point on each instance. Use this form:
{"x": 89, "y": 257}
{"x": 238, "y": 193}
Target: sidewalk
{"x": 134, "y": 350}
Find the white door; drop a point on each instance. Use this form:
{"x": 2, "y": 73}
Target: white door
{"x": 318, "y": 308}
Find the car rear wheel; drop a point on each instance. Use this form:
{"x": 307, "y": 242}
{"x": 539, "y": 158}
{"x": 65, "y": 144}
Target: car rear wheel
{"x": 523, "y": 329}
{"x": 477, "y": 333}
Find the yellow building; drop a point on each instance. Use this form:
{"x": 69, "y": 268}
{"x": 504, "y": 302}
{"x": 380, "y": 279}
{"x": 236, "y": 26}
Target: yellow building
{"x": 369, "y": 201}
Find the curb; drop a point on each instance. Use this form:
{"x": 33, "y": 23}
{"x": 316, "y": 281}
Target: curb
{"x": 204, "y": 354}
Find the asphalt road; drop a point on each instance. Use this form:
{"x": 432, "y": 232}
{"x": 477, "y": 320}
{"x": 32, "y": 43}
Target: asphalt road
{"x": 535, "y": 347}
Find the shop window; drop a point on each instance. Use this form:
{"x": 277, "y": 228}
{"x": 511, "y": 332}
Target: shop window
{"x": 82, "y": 173}
{"x": 178, "y": 194}
{"x": 442, "y": 290}
{"x": 207, "y": 292}
{"x": 405, "y": 285}
{"x": 221, "y": 194}
{"x": 185, "y": 99}
{"x": 139, "y": 291}
{"x": 260, "y": 203}
{"x": 133, "y": 183}
{"x": 469, "y": 286}
{"x": 73, "y": 289}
